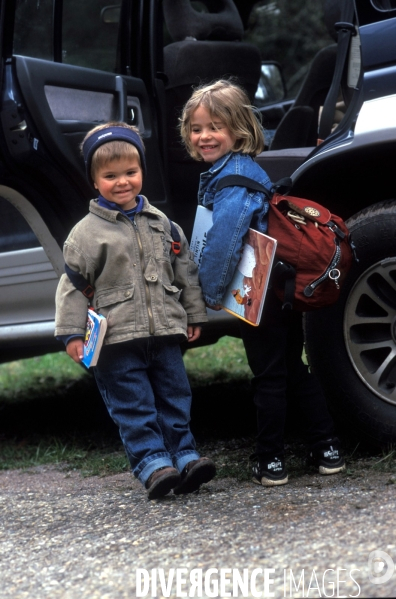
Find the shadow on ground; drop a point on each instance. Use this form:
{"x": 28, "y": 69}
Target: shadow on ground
{"x": 223, "y": 410}
{"x": 219, "y": 411}
{"x": 223, "y": 415}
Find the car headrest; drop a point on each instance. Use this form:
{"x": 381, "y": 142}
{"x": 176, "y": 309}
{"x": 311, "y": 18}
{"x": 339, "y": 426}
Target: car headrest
{"x": 332, "y": 15}
{"x": 184, "y": 21}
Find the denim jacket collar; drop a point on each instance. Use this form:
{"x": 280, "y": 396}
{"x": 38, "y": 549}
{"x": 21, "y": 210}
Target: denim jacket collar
{"x": 220, "y": 163}
{"x": 207, "y": 176}
{"x": 232, "y": 163}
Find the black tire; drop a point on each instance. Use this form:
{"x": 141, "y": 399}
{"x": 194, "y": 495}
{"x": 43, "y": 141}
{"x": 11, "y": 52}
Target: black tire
{"x": 351, "y": 346}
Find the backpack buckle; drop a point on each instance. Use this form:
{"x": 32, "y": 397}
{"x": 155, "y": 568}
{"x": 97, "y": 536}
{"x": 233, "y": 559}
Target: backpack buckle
{"x": 176, "y": 247}
{"x": 88, "y": 292}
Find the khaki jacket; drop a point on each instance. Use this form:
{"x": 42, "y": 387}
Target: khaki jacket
{"x": 141, "y": 286}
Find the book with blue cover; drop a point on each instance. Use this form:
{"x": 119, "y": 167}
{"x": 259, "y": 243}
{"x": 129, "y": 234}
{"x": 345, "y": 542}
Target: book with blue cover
{"x": 203, "y": 222}
{"x": 94, "y": 335}
{"x": 245, "y": 294}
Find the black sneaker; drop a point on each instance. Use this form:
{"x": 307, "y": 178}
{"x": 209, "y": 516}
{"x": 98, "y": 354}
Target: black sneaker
{"x": 270, "y": 472}
{"x": 328, "y": 459}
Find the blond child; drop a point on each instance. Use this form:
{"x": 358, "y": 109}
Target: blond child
{"x": 220, "y": 127}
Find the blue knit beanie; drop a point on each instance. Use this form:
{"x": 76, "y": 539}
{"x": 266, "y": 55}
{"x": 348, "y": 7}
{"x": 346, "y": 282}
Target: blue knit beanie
{"x": 103, "y": 136}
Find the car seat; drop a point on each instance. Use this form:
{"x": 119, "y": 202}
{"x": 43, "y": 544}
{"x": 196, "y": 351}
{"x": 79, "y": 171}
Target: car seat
{"x": 299, "y": 126}
{"x": 206, "y": 46}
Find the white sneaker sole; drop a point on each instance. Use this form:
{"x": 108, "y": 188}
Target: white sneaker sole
{"x": 324, "y": 470}
{"x": 267, "y": 482}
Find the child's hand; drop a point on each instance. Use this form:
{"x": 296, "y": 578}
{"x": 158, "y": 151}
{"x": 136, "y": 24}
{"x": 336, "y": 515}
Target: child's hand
{"x": 75, "y": 349}
{"x": 216, "y": 308}
{"x": 193, "y": 332}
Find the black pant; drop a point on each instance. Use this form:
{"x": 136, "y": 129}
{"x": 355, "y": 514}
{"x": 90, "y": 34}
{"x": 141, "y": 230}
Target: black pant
{"x": 274, "y": 352}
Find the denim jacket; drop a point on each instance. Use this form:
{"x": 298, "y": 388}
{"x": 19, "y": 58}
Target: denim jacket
{"x": 235, "y": 209}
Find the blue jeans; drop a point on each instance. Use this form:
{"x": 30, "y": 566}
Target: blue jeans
{"x": 147, "y": 394}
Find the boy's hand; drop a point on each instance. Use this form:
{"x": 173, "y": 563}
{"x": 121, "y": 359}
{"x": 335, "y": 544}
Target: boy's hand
{"x": 193, "y": 332}
{"x": 75, "y": 349}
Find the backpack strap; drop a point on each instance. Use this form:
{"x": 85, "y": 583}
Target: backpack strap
{"x": 283, "y": 274}
{"x": 80, "y": 282}
{"x": 176, "y": 247}
{"x": 283, "y": 186}
{"x": 241, "y": 181}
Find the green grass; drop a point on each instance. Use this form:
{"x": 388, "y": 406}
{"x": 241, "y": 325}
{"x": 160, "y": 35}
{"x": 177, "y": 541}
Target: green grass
{"x": 46, "y": 375}
{"x": 83, "y": 454}
{"x": 38, "y": 377}
{"x": 55, "y": 377}
{"x": 222, "y": 362}
{"x": 385, "y": 462}
{"x": 40, "y": 385}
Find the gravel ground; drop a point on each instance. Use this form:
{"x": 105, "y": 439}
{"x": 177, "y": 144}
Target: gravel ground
{"x": 65, "y": 536}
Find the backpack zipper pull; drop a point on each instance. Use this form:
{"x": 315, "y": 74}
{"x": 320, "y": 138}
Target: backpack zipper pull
{"x": 309, "y": 289}
{"x": 334, "y": 275}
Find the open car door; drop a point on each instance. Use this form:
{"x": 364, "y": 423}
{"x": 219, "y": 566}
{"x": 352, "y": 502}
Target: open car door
{"x": 66, "y": 67}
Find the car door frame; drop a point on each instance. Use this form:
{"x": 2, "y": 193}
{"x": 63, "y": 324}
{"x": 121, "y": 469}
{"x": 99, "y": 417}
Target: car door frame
{"x": 41, "y": 172}
{"x": 51, "y": 136}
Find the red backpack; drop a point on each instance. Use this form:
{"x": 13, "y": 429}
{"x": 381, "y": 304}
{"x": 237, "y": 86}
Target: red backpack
{"x": 314, "y": 250}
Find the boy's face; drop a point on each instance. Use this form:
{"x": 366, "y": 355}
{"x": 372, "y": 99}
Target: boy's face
{"x": 120, "y": 181}
{"x": 210, "y": 137}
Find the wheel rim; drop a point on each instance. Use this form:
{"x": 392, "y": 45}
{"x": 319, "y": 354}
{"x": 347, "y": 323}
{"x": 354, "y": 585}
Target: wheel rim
{"x": 370, "y": 328}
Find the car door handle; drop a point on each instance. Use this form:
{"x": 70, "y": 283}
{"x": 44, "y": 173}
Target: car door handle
{"x": 121, "y": 90}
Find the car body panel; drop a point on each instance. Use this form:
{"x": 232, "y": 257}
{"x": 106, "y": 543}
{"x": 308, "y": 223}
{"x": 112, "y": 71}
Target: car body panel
{"x": 48, "y": 105}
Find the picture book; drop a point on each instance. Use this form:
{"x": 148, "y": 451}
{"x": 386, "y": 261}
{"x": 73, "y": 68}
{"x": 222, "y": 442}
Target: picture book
{"x": 202, "y": 224}
{"x": 246, "y": 292}
{"x": 94, "y": 335}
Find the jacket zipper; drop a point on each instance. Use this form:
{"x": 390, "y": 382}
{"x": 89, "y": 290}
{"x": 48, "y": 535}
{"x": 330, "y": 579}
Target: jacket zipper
{"x": 146, "y": 287}
{"x": 309, "y": 290}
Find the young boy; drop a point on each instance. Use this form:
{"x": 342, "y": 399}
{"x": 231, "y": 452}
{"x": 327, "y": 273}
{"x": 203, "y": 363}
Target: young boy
{"x": 152, "y": 300}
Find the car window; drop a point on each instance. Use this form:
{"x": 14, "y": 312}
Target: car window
{"x": 290, "y": 32}
{"x": 384, "y": 5}
{"x": 33, "y": 29}
{"x": 89, "y": 38}
{"x": 89, "y": 34}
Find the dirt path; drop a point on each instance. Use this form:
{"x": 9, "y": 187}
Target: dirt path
{"x": 64, "y": 536}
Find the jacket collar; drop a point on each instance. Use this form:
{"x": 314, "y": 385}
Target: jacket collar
{"x": 218, "y": 165}
{"x": 221, "y": 162}
{"x": 111, "y": 214}
{"x": 215, "y": 168}
{"x": 113, "y": 206}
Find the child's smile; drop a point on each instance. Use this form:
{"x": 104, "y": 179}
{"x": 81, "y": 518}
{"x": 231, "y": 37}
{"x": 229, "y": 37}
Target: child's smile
{"x": 210, "y": 137}
{"x": 120, "y": 181}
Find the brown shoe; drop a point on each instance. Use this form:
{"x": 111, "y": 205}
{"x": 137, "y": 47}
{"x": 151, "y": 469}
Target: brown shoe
{"x": 194, "y": 474}
{"x": 162, "y": 481}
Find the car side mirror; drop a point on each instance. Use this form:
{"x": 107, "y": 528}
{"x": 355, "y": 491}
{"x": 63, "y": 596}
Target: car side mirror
{"x": 271, "y": 87}
{"x": 110, "y": 14}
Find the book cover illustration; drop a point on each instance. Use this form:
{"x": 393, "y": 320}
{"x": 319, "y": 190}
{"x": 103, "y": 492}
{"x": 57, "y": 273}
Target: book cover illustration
{"x": 94, "y": 335}
{"x": 203, "y": 222}
{"x": 246, "y": 292}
